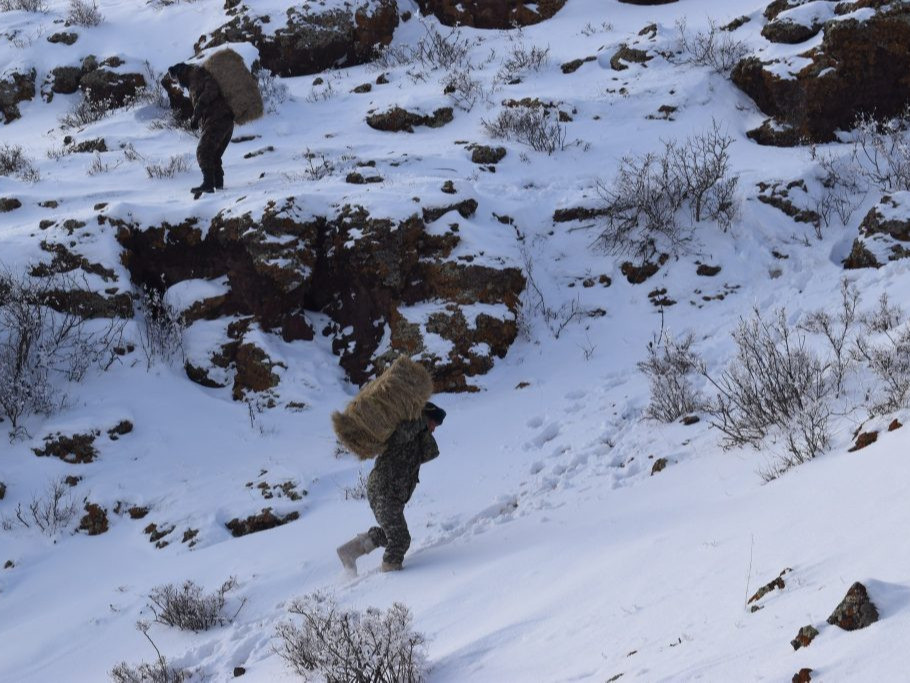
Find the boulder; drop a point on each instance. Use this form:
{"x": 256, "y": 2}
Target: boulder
{"x": 861, "y": 67}
{"x": 883, "y": 233}
{"x": 855, "y": 611}
{"x": 106, "y": 86}
{"x": 16, "y": 86}
{"x": 312, "y": 39}
{"x": 491, "y": 14}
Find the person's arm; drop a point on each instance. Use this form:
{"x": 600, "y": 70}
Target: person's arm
{"x": 206, "y": 93}
{"x": 429, "y": 449}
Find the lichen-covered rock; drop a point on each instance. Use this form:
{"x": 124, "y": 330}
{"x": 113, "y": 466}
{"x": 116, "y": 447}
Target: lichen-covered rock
{"x": 805, "y": 637}
{"x": 855, "y": 611}
{"x": 883, "y": 233}
{"x": 625, "y": 55}
{"x": 16, "y": 86}
{"x": 8, "y": 204}
{"x": 94, "y": 522}
{"x": 861, "y": 67}
{"x": 264, "y": 521}
{"x": 312, "y": 38}
{"x": 789, "y": 32}
{"x": 494, "y": 14}
{"x": 110, "y": 87}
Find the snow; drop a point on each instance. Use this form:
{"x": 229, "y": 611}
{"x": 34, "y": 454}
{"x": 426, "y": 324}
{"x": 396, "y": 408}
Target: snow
{"x": 543, "y": 549}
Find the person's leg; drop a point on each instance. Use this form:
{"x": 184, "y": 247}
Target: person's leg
{"x": 390, "y": 515}
{"x": 226, "y": 132}
{"x": 206, "y": 155}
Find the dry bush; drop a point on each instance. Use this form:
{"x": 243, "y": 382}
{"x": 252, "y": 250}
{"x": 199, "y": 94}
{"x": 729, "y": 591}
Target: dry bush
{"x": 14, "y": 162}
{"x": 774, "y": 385}
{"x": 713, "y": 47}
{"x": 464, "y": 90}
{"x": 189, "y": 608}
{"x": 882, "y": 151}
{"x": 642, "y": 204}
{"x": 537, "y": 127}
{"x": 176, "y": 164}
{"x": 522, "y": 59}
{"x": 449, "y": 51}
{"x": 274, "y": 91}
{"x": 339, "y": 645}
{"x": 839, "y": 331}
{"x": 84, "y": 13}
{"x": 158, "y": 672}
{"x": 670, "y": 367}
{"x": 49, "y": 512}
{"x": 41, "y": 347}
{"x": 887, "y": 355}
{"x": 23, "y": 5}
{"x": 161, "y": 329}
{"x": 86, "y": 111}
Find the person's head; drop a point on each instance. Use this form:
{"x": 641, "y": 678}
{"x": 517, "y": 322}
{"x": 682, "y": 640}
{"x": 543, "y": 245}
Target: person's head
{"x": 179, "y": 71}
{"x": 434, "y": 415}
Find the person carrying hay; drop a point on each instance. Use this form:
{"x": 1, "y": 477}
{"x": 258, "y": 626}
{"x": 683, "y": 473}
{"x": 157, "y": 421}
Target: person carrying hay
{"x": 390, "y": 419}
{"x": 223, "y": 92}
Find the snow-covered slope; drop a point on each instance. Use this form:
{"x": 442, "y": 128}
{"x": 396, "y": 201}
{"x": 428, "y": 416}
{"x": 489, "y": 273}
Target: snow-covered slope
{"x": 543, "y": 548}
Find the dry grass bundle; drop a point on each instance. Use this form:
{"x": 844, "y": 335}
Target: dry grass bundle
{"x": 239, "y": 87}
{"x": 398, "y": 394}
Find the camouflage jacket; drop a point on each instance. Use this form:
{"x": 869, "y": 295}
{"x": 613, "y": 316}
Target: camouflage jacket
{"x": 208, "y": 102}
{"x": 395, "y": 474}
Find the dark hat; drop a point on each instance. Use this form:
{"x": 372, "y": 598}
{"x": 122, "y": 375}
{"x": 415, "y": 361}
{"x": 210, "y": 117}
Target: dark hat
{"x": 434, "y": 412}
{"x": 177, "y": 69}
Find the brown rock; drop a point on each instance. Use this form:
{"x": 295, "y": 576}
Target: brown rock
{"x": 863, "y": 440}
{"x": 659, "y": 466}
{"x": 805, "y": 637}
{"x": 777, "y": 583}
{"x": 110, "y": 87}
{"x": 855, "y": 611}
{"x": 481, "y": 154}
{"x": 63, "y": 37}
{"x": 860, "y": 67}
{"x": 8, "y": 204}
{"x": 494, "y": 14}
{"x": 262, "y": 522}
{"x": 860, "y": 257}
{"x": 895, "y": 424}
{"x": 94, "y": 522}
{"x": 396, "y": 119}
{"x": 628, "y": 54}
{"x": 789, "y": 32}
{"x": 707, "y": 271}
{"x": 803, "y": 676}
{"x": 16, "y": 87}
{"x": 311, "y": 39}
{"x": 75, "y": 449}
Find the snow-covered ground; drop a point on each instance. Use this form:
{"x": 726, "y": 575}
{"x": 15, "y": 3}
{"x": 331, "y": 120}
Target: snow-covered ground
{"x": 543, "y": 549}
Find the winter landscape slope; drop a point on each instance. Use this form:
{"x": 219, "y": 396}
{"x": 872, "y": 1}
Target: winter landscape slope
{"x": 546, "y": 544}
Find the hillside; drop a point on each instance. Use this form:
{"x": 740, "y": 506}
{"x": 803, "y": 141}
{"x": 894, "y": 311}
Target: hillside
{"x": 540, "y": 204}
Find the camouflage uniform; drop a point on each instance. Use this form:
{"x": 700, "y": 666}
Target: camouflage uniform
{"x": 212, "y": 113}
{"x": 392, "y": 482}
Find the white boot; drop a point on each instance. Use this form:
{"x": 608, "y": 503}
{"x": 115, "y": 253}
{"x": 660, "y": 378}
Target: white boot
{"x": 348, "y": 553}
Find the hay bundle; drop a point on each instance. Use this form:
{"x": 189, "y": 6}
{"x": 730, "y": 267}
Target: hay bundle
{"x": 237, "y": 84}
{"x": 398, "y": 394}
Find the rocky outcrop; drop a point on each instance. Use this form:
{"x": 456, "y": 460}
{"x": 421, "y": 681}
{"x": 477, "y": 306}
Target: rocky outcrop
{"x": 861, "y": 67}
{"x": 883, "y": 233}
{"x": 311, "y": 39}
{"x": 16, "y": 86}
{"x": 98, "y": 81}
{"x": 397, "y": 120}
{"x": 386, "y": 287}
{"x": 495, "y": 14}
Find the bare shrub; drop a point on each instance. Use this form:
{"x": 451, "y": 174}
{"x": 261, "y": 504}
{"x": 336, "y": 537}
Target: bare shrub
{"x": 274, "y": 91}
{"x": 536, "y": 304}
{"x": 537, "y": 127}
{"x": 321, "y": 90}
{"x": 839, "y": 330}
{"x": 23, "y": 5}
{"x": 153, "y": 92}
{"x": 40, "y": 347}
{"x": 343, "y": 645}
{"x": 842, "y": 188}
{"x": 84, "y": 13}
{"x": 358, "y": 491}
{"x": 643, "y": 202}
{"x": 449, "y": 51}
{"x": 775, "y": 383}
{"x": 670, "y": 368}
{"x": 713, "y": 47}
{"x": 14, "y": 162}
{"x": 882, "y": 150}
{"x": 99, "y": 165}
{"x": 464, "y": 90}
{"x": 86, "y": 111}
{"x": 317, "y": 165}
{"x": 49, "y": 512}
{"x": 189, "y": 608}
{"x": 161, "y": 328}
{"x": 887, "y": 355}
{"x": 883, "y": 318}
{"x": 176, "y": 164}
{"x": 158, "y": 672}
{"x": 522, "y": 59}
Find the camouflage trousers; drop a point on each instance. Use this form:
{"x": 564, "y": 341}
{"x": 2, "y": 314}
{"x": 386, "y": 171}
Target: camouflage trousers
{"x": 216, "y": 135}
{"x": 392, "y": 532}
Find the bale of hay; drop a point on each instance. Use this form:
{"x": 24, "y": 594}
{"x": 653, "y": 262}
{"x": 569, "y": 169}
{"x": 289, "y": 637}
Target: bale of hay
{"x": 237, "y": 84}
{"x": 398, "y": 394}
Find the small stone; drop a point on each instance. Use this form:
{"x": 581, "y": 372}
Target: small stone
{"x": 448, "y": 187}
{"x": 64, "y": 37}
{"x": 895, "y": 424}
{"x": 363, "y": 88}
{"x": 855, "y": 611}
{"x": 481, "y": 154}
{"x": 863, "y": 440}
{"x": 659, "y": 466}
{"x": 707, "y": 271}
{"x": 690, "y": 420}
{"x": 805, "y": 637}
{"x": 8, "y": 204}
{"x": 239, "y": 671}
{"x": 803, "y": 676}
